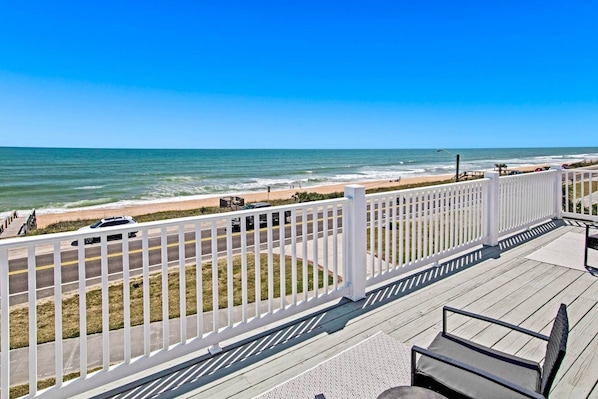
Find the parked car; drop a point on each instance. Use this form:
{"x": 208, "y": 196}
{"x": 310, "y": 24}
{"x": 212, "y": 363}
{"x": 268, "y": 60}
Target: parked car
{"x": 109, "y": 222}
{"x": 249, "y": 220}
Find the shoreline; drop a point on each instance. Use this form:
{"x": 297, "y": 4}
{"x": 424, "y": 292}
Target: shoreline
{"x": 45, "y": 219}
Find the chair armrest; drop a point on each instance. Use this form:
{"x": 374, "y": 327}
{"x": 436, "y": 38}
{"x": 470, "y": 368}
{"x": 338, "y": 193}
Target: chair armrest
{"x": 446, "y": 309}
{"x": 465, "y": 367}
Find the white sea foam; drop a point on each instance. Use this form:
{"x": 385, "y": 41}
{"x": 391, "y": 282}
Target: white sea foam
{"x": 90, "y": 202}
{"x": 88, "y": 188}
{"x": 183, "y": 185}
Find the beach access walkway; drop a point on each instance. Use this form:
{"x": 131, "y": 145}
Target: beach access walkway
{"x": 17, "y": 223}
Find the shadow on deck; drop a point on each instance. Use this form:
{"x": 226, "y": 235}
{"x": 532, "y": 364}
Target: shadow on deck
{"x": 191, "y": 375}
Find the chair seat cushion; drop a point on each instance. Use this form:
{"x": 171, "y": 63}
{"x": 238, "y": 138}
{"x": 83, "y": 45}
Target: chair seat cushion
{"x": 514, "y": 369}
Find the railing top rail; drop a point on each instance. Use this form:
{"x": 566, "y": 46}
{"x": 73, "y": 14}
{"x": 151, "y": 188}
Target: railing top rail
{"x": 428, "y": 188}
{"x": 299, "y": 205}
{"x": 20, "y": 242}
{"x": 530, "y": 175}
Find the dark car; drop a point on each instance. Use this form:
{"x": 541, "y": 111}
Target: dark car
{"x": 109, "y": 222}
{"x": 249, "y": 220}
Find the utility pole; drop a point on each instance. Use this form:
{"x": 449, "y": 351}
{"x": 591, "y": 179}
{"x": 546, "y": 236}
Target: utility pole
{"x": 457, "y": 159}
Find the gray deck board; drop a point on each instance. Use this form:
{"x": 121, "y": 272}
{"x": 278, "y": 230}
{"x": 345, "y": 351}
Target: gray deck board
{"x": 580, "y": 378}
{"x": 498, "y": 282}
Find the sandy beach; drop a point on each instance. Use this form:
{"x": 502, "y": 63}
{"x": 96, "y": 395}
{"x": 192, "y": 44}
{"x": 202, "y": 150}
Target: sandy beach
{"x": 44, "y": 220}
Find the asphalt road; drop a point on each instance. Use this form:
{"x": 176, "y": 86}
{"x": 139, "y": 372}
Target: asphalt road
{"x": 70, "y": 265}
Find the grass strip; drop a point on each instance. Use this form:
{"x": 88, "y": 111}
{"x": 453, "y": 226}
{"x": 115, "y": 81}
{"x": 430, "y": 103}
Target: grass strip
{"x": 70, "y": 305}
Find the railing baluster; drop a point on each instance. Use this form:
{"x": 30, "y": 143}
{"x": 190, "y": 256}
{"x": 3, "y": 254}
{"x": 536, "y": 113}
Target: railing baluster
{"x": 401, "y": 222}
{"x": 439, "y": 211}
{"x": 199, "y": 276}
{"x": 4, "y": 326}
{"x": 315, "y": 240}
{"x": 258, "y": 269}
{"x": 58, "y": 353}
{"x": 422, "y": 228}
{"x": 294, "y": 255}
{"x": 229, "y": 279}
{"x": 379, "y": 235}
{"x": 146, "y": 294}
{"x": 270, "y": 262}
{"x": 394, "y": 220}
{"x": 215, "y": 299}
{"x": 32, "y": 290}
{"x": 372, "y": 212}
{"x": 304, "y": 252}
{"x": 244, "y": 293}
{"x": 82, "y": 308}
{"x": 182, "y": 285}
{"x": 582, "y": 192}
{"x": 335, "y": 245}
{"x": 282, "y": 241}
{"x": 469, "y": 214}
{"x": 387, "y": 233}
{"x": 409, "y": 229}
{"x": 105, "y": 305}
{"x": 425, "y": 221}
{"x": 164, "y": 281}
{"x": 126, "y": 299}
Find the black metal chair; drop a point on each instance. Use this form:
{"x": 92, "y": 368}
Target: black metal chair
{"x": 591, "y": 243}
{"x": 459, "y": 368}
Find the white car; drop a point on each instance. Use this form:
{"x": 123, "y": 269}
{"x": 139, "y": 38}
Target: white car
{"x": 109, "y": 222}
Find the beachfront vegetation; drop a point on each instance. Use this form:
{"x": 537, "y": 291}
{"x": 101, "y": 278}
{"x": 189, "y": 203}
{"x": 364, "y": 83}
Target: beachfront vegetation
{"x": 500, "y": 167}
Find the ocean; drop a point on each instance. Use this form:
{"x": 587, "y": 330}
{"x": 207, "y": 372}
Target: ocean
{"x": 58, "y": 179}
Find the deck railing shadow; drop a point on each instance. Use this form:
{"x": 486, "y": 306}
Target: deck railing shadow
{"x": 529, "y": 234}
{"x": 207, "y": 368}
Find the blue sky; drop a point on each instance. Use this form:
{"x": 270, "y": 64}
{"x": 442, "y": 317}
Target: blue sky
{"x": 308, "y": 74}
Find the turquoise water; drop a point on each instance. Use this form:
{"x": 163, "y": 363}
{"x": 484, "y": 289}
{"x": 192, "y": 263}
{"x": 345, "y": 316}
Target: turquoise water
{"x": 55, "y": 179}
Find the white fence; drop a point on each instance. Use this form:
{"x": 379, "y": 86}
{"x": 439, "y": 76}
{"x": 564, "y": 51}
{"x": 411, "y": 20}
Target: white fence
{"x": 213, "y": 284}
{"x": 528, "y": 199}
{"x": 580, "y": 192}
{"x": 226, "y": 283}
{"x": 416, "y": 227}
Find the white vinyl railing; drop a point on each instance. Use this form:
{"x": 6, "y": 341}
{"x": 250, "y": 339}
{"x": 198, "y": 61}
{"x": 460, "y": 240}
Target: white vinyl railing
{"x": 208, "y": 283}
{"x": 415, "y": 227}
{"x": 580, "y": 192}
{"x": 528, "y": 199}
{"x": 177, "y": 287}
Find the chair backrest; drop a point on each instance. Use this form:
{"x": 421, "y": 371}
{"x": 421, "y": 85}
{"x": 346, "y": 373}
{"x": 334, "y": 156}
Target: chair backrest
{"x": 555, "y": 349}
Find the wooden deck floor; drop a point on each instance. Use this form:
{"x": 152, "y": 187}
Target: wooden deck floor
{"x": 499, "y": 282}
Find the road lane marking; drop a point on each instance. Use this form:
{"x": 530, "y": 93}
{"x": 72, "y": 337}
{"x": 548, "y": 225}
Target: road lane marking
{"x": 95, "y": 258}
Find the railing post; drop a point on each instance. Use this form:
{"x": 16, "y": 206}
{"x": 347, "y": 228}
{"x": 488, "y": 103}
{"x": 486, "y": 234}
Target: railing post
{"x": 492, "y": 213}
{"x": 4, "y": 326}
{"x": 355, "y": 230}
{"x": 558, "y": 191}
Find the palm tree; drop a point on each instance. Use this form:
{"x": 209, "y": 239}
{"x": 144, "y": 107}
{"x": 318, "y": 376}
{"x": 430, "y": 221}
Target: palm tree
{"x": 500, "y": 167}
